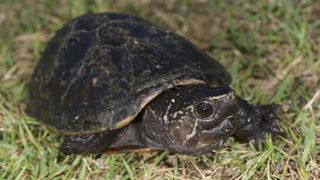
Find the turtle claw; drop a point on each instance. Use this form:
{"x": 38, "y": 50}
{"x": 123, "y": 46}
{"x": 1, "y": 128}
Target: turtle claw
{"x": 255, "y": 122}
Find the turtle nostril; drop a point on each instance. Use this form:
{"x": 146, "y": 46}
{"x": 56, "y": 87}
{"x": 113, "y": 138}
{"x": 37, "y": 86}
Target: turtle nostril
{"x": 230, "y": 97}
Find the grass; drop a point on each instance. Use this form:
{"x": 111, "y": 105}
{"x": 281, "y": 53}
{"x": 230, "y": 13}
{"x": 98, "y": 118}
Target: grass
{"x": 271, "y": 49}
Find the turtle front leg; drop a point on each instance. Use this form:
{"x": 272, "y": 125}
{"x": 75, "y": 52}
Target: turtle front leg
{"x": 255, "y": 121}
{"x": 89, "y": 143}
{"x": 126, "y": 139}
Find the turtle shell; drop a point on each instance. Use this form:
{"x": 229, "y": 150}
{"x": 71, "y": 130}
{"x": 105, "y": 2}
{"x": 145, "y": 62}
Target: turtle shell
{"x": 100, "y": 70}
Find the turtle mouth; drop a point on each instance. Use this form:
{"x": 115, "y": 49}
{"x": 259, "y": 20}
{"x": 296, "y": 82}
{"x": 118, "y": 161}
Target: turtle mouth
{"x": 204, "y": 139}
{"x": 216, "y": 134}
{"x": 227, "y": 125}
{"x": 224, "y": 125}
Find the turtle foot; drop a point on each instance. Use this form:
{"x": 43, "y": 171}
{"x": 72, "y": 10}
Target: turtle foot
{"x": 255, "y": 122}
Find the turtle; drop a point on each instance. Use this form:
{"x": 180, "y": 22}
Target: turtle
{"x": 111, "y": 82}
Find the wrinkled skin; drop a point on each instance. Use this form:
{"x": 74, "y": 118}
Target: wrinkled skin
{"x": 191, "y": 119}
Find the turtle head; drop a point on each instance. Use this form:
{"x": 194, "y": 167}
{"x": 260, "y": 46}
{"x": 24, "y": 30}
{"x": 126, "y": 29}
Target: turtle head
{"x": 199, "y": 118}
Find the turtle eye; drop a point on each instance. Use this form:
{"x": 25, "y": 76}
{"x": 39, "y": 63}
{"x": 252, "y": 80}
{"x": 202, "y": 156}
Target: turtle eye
{"x": 204, "y": 109}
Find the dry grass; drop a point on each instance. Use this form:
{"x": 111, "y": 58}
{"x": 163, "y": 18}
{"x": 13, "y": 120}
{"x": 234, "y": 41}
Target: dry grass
{"x": 271, "y": 48}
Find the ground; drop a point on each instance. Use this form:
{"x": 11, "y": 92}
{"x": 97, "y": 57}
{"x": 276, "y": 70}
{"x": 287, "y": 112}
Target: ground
{"x": 270, "y": 47}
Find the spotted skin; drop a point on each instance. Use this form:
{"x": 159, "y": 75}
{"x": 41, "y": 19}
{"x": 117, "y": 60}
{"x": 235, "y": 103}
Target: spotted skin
{"x": 170, "y": 120}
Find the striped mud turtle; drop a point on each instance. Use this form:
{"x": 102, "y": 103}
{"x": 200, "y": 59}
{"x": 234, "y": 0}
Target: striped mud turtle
{"x": 112, "y": 82}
